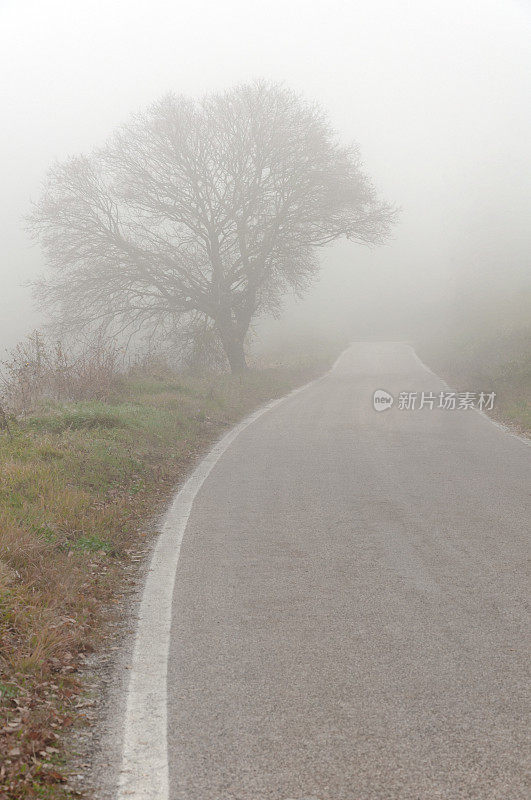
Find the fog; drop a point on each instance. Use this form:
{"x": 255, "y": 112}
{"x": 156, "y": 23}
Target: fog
{"x": 436, "y": 94}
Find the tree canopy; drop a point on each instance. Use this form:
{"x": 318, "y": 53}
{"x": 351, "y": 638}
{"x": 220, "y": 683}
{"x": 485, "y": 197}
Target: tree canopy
{"x": 202, "y": 215}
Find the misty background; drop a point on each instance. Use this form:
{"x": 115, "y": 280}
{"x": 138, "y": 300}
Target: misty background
{"x": 436, "y": 94}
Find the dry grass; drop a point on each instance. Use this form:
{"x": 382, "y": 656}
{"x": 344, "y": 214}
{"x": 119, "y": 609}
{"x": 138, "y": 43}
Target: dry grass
{"x": 497, "y": 362}
{"x": 78, "y": 480}
{"x": 42, "y": 368}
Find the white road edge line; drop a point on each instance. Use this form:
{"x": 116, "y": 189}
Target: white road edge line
{"x": 494, "y": 422}
{"x": 144, "y": 773}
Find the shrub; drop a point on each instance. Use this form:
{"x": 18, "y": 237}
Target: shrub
{"x": 41, "y": 369}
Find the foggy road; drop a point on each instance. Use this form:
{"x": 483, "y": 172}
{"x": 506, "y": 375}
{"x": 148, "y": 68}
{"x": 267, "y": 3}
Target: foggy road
{"x": 349, "y": 610}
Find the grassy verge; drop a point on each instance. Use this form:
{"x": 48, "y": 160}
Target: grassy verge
{"x": 500, "y": 364}
{"x": 78, "y": 484}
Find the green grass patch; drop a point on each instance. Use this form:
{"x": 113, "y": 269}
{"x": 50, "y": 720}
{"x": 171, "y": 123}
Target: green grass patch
{"x": 79, "y": 416}
{"x": 93, "y": 544}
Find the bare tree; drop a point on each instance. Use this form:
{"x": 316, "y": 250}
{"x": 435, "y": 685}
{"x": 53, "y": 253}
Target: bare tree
{"x": 202, "y": 214}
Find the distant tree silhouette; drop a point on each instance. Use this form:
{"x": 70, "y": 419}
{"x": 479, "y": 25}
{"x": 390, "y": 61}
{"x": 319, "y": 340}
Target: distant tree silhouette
{"x": 202, "y": 215}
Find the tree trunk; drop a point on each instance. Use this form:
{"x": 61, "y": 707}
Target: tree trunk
{"x": 236, "y": 355}
{"x": 232, "y": 340}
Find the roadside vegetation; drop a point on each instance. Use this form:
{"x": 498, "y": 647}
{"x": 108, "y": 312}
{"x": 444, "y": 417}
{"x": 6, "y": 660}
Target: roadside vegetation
{"x": 488, "y": 349}
{"x": 85, "y": 465}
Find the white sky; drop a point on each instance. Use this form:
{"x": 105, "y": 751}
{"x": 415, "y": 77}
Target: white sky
{"x": 437, "y": 94}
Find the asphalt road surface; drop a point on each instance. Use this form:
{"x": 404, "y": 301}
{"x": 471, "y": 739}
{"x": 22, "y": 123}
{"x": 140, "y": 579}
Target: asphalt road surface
{"x": 350, "y": 603}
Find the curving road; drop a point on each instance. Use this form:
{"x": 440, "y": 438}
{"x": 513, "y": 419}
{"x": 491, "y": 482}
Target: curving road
{"x": 349, "y": 614}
